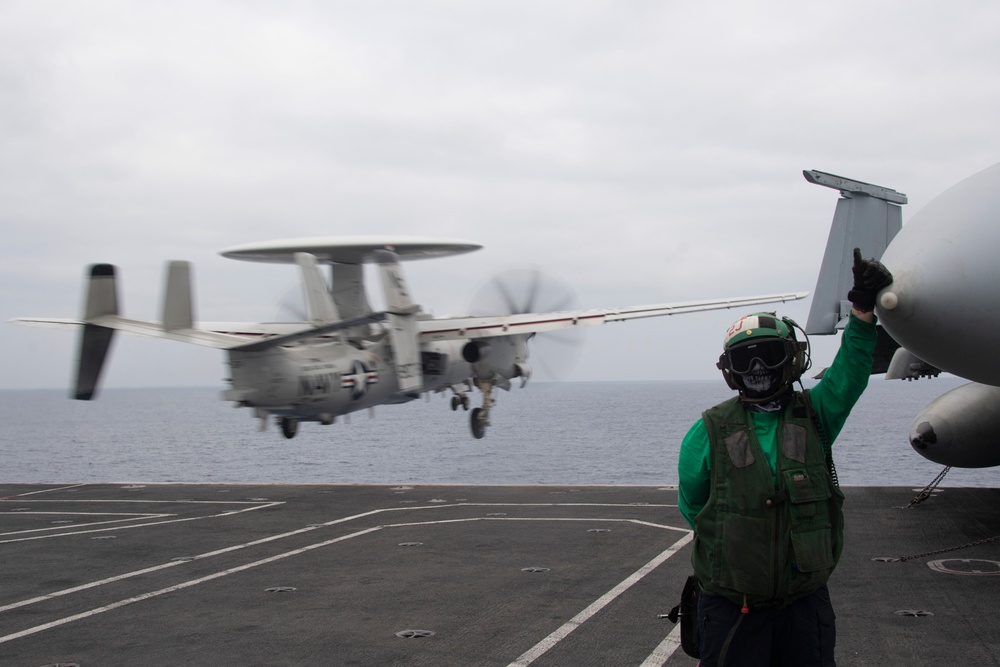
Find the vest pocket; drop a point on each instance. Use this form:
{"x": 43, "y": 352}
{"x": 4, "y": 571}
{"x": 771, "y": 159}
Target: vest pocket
{"x": 813, "y": 550}
{"x": 745, "y": 568}
{"x": 803, "y": 488}
{"x": 808, "y": 497}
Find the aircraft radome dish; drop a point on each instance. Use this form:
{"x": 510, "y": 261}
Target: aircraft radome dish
{"x": 348, "y": 249}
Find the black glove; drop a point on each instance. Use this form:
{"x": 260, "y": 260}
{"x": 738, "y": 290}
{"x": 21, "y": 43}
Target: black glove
{"x": 870, "y": 276}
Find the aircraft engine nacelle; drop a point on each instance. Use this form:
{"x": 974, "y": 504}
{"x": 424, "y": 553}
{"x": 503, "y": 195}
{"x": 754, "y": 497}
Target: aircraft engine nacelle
{"x": 960, "y": 428}
{"x": 475, "y": 351}
{"x": 498, "y": 359}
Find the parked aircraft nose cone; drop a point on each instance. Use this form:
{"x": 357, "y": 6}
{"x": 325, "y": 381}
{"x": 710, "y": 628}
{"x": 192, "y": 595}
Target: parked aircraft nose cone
{"x": 943, "y": 304}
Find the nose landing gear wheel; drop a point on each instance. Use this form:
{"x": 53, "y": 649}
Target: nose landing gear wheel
{"x": 478, "y": 423}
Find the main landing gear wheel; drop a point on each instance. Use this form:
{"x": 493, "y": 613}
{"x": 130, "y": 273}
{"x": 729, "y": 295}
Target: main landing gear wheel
{"x": 289, "y": 427}
{"x": 462, "y": 401}
{"x": 478, "y": 423}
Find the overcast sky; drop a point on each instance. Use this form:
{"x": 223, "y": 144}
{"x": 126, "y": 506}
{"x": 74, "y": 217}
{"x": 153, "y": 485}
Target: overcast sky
{"x": 640, "y": 151}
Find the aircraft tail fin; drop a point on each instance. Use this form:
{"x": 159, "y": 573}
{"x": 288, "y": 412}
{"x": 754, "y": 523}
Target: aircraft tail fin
{"x": 867, "y": 217}
{"x": 402, "y": 318}
{"x": 322, "y": 309}
{"x": 178, "y": 313}
{"x": 95, "y": 340}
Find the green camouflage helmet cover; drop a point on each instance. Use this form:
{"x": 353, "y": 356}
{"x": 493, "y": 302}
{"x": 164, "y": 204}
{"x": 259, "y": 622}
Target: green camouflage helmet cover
{"x": 756, "y": 325}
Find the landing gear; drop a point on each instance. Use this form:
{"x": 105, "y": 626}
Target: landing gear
{"x": 480, "y": 417}
{"x": 289, "y": 427}
{"x": 478, "y": 423}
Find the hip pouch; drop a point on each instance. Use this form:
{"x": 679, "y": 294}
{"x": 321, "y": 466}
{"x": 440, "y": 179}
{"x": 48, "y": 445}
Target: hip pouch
{"x": 687, "y": 612}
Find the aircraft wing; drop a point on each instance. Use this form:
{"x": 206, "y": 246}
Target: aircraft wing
{"x": 260, "y": 335}
{"x": 509, "y": 325}
{"x": 219, "y": 335}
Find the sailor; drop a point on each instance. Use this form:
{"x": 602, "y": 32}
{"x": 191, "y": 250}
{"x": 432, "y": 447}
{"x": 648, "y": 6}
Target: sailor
{"x": 758, "y": 487}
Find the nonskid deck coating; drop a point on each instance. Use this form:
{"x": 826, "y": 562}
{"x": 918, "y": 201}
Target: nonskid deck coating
{"x": 123, "y": 574}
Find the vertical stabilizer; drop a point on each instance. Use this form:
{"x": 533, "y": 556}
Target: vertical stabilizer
{"x": 402, "y": 318}
{"x": 867, "y": 217}
{"x": 178, "y": 312}
{"x": 322, "y": 310}
{"x": 95, "y": 340}
{"x": 348, "y": 292}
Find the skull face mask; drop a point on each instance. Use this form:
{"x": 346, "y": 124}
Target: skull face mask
{"x": 762, "y": 388}
{"x": 760, "y": 381}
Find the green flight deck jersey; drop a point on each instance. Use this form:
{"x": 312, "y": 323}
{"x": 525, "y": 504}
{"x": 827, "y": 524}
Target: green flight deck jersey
{"x": 751, "y": 535}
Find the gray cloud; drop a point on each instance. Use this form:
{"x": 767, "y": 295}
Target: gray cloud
{"x": 642, "y": 151}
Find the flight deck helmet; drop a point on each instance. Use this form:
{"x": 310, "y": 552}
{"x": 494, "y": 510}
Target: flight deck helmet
{"x": 759, "y": 343}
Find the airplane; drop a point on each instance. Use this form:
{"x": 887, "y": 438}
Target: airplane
{"x": 346, "y": 357}
{"x": 940, "y": 313}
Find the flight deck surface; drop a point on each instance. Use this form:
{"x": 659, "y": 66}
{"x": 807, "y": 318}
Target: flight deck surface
{"x": 203, "y": 574}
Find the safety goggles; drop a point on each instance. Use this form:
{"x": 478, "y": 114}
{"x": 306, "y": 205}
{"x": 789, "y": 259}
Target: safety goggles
{"x": 771, "y": 352}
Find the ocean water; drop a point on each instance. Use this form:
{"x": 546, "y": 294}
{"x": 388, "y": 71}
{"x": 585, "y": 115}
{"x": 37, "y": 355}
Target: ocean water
{"x": 546, "y": 433}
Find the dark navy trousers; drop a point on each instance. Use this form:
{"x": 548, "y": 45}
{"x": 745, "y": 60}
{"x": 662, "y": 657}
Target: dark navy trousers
{"x": 799, "y": 635}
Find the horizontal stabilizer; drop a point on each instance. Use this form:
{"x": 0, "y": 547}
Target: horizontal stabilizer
{"x": 47, "y": 322}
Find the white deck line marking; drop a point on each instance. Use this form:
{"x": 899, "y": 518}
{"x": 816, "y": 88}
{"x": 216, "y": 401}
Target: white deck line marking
{"x": 60, "y": 488}
{"x": 162, "y": 566}
{"x": 151, "y": 523}
{"x": 658, "y": 525}
{"x": 667, "y": 648}
{"x": 549, "y": 642}
{"x": 141, "y": 515}
{"x": 138, "y": 501}
{"x": 629, "y": 505}
{"x": 131, "y": 517}
{"x": 178, "y": 587}
{"x": 535, "y": 518}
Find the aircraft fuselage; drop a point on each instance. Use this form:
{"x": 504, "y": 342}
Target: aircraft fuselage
{"x": 322, "y": 380}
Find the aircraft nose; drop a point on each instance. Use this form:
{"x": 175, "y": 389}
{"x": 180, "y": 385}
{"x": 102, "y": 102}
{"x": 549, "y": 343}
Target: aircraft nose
{"x": 942, "y": 304}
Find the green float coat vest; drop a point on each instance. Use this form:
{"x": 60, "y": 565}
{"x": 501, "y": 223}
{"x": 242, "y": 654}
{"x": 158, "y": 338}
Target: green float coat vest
{"x": 762, "y": 538}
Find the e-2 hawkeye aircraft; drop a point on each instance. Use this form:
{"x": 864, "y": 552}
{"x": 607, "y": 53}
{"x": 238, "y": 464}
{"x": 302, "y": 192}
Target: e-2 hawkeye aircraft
{"x": 940, "y": 313}
{"x": 346, "y": 357}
